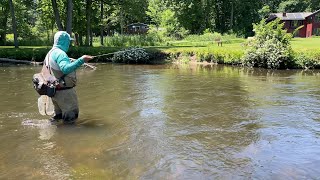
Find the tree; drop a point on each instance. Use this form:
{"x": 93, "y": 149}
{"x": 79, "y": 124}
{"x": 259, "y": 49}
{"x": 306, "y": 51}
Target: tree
{"x": 4, "y": 11}
{"x": 45, "y": 17}
{"x": 101, "y": 22}
{"x": 69, "y": 16}
{"x": 264, "y": 12}
{"x": 315, "y": 5}
{"x": 57, "y": 15}
{"x": 293, "y": 6}
{"x": 155, "y": 9}
{"x": 88, "y": 18}
{"x": 14, "y": 24}
{"x": 170, "y": 22}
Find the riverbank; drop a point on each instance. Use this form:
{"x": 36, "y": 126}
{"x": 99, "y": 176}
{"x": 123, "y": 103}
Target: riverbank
{"x": 305, "y": 52}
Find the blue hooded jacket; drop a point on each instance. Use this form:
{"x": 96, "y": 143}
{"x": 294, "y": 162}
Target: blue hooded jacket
{"x": 60, "y": 47}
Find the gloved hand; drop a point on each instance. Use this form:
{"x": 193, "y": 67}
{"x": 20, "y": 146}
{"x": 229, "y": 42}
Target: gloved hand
{"x": 87, "y": 58}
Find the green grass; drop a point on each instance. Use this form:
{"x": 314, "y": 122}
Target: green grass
{"x": 298, "y": 44}
{"x": 306, "y": 44}
{"x": 204, "y": 49}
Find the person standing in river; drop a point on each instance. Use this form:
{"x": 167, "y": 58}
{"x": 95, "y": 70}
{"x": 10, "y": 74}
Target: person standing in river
{"x": 65, "y": 100}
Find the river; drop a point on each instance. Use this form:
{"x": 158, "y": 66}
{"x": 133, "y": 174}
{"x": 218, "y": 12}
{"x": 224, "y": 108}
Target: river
{"x": 166, "y": 122}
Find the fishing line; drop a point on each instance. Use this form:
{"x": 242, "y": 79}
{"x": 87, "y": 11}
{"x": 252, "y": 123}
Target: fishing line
{"x": 103, "y": 55}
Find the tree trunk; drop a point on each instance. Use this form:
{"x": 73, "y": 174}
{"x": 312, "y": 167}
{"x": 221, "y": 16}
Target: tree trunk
{"x": 80, "y": 40}
{"x": 69, "y": 17}
{"x": 76, "y": 35}
{"x": 101, "y": 26}
{"x": 232, "y": 16}
{"x": 4, "y": 26}
{"x": 88, "y": 17}
{"x": 121, "y": 21}
{"x": 91, "y": 38}
{"x": 14, "y": 24}
{"x": 57, "y": 15}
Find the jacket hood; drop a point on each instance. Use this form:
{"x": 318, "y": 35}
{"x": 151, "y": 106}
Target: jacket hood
{"x": 62, "y": 40}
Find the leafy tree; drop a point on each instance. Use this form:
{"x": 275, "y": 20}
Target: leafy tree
{"x": 293, "y": 6}
{"x": 264, "y": 12}
{"x": 169, "y": 22}
{"x": 155, "y": 9}
{"x": 45, "y": 18}
{"x": 314, "y": 5}
{"x": 271, "y": 47}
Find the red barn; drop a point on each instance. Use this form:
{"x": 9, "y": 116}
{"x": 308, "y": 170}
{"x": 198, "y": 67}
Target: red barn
{"x": 309, "y": 21}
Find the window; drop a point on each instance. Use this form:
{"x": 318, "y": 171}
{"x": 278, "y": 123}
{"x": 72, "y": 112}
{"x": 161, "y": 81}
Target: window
{"x": 291, "y": 23}
{"x": 296, "y": 24}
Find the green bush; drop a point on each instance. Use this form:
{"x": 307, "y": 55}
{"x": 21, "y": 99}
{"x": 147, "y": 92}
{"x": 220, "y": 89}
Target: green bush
{"x": 305, "y": 62}
{"x": 31, "y": 54}
{"x": 131, "y": 56}
{"x": 271, "y": 47}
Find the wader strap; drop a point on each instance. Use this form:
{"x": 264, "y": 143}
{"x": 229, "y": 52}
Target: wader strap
{"x": 47, "y": 64}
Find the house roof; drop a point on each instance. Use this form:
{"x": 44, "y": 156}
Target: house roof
{"x": 138, "y": 24}
{"x": 315, "y": 12}
{"x": 291, "y": 16}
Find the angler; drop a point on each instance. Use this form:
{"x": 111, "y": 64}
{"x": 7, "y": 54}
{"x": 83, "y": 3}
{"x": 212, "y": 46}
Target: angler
{"x": 60, "y": 65}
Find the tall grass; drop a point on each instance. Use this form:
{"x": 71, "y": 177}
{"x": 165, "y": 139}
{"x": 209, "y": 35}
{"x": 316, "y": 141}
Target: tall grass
{"x": 130, "y": 40}
{"x": 225, "y": 38}
{"x": 29, "y": 41}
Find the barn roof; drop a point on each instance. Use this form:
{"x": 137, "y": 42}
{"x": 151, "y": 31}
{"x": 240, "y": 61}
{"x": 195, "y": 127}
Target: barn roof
{"x": 138, "y": 24}
{"x": 291, "y": 16}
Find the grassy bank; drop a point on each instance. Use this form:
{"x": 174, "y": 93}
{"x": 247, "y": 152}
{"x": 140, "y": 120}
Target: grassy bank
{"x": 193, "y": 48}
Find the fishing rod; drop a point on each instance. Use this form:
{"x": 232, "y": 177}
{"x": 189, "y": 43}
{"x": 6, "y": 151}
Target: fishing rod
{"x": 90, "y": 66}
{"x": 103, "y": 55}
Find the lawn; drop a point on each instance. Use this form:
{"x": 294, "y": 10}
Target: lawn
{"x": 298, "y": 44}
{"x": 306, "y": 44}
{"x": 205, "y": 49}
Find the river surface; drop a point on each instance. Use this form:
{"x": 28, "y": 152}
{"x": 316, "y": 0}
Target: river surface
{"x": 166, "y": 122}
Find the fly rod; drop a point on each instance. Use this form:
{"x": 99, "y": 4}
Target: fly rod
{"x": 103, "y": 55}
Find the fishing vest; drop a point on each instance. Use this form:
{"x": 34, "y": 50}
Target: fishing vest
{"x": 68, "y": 81}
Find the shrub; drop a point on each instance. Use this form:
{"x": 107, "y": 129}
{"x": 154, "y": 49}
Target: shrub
{"x": 271, "y": 47}
{"x": 131, "y": 56}
{"x": 305, "y": 62}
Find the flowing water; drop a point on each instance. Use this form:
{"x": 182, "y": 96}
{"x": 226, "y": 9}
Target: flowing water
{"x": 166, "y": 122}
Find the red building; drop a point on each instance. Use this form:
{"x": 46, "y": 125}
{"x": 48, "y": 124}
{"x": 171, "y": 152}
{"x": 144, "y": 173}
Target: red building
{"x": 309, "y": 21}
